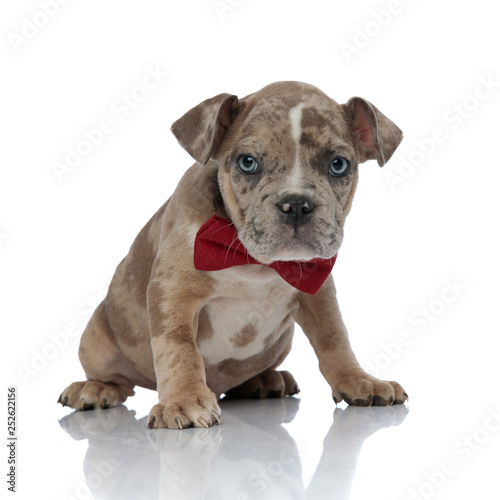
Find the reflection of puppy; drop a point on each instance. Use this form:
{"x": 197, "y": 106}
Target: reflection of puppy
{"x": 126, "y": 460}
{"x": 279, "y": 169}
{"x": 249, "y": 457}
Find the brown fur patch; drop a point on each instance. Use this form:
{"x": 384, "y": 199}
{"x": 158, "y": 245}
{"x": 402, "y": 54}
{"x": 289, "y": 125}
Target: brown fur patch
{"x": 245, "y": 336}
{"x": 234, "y": 372}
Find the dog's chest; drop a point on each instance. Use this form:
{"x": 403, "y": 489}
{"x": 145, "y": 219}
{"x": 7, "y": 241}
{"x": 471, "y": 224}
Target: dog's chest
{"x": 249, "y": 314}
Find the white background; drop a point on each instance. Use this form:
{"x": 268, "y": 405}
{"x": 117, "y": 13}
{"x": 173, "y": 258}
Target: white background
{"x": 61, "y": 236}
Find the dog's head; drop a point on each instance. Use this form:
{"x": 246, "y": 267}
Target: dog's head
{"x": 288, "y": 160}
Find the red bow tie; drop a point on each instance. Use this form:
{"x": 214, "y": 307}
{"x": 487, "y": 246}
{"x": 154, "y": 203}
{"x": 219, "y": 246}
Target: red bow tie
{"x": 217, "y": 247}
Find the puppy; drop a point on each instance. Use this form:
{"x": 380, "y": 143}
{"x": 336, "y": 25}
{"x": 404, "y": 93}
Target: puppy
{"x": 204, "y": 304}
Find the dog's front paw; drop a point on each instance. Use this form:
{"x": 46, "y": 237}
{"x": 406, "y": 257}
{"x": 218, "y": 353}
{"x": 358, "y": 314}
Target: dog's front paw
{"x": 190, "y": 408}
{"x": 361, "y": 389}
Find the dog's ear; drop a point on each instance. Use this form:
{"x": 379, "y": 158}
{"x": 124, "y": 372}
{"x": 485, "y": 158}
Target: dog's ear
{"x": 202, "y": 129}
{"x": 376, "y": 136}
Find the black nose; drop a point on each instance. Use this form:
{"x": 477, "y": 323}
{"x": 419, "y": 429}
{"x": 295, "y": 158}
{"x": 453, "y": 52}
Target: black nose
{"x": 296, "y": 209}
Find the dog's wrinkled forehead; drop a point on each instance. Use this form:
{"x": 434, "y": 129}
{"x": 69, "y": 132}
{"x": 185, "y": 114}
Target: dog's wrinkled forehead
{"x": 287, "y": 111}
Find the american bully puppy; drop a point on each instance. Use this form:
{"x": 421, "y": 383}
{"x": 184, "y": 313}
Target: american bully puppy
{"x": 205, "y": 302}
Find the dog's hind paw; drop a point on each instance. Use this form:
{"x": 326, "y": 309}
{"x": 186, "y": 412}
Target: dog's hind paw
{"x": 268, "y": 384}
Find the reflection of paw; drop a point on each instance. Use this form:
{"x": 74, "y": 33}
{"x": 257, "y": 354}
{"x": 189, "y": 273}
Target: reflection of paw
{"x": 92, "y": 394}
{"x": 358, "y": 388}
{"x": 191, "y": 442}
{"x": 368, "y": 420}
{"x": 81, "y": 425}
{"x": 268, "y": 384}
{"x": 196, "y": 408}
{"x": 186, "y": 457}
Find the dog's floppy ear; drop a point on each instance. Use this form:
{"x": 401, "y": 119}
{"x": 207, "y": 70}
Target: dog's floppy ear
{"x": 202, "y": 129}
{"x": 377, "y": 137}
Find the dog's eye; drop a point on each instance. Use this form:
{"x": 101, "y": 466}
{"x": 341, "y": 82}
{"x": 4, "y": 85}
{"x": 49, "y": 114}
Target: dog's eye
{"x": 248, "y": 164}
{"x": 338, "y": 166}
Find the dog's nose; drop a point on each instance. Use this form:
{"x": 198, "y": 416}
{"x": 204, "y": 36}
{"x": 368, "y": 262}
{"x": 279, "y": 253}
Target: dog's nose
{"x": 296, "y": 208}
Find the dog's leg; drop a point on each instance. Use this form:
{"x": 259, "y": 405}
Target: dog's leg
{"x": 111, "y": 378}
{"x": 320, "y": 318}
{"x": 184, "y": 398}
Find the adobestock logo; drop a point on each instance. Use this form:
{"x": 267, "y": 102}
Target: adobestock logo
{"x": 96, "y": 475}
{"x": 464, "y": 448}
{"x": 260, "y": 480}
{"x": 58, "y": 341}
{"x": 419, "y": 322}
{"x": 453, "y": 118}
{"x": 121, "y": 108}
{"x": 371, "y": 29}
{"x": 222, "y": 7}
{"x": 32, "y": 26}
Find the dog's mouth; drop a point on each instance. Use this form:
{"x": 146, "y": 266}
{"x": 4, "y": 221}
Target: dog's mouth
{"x": 292, "y": 246}
{"x": 295, "y": 248}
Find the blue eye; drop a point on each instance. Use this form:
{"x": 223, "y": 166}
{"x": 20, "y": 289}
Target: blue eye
{"x": 339, "y": 166}
{"x": 248, "y": 164}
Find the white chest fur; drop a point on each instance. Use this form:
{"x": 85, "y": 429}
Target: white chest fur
{"x": 245, "y": 316}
